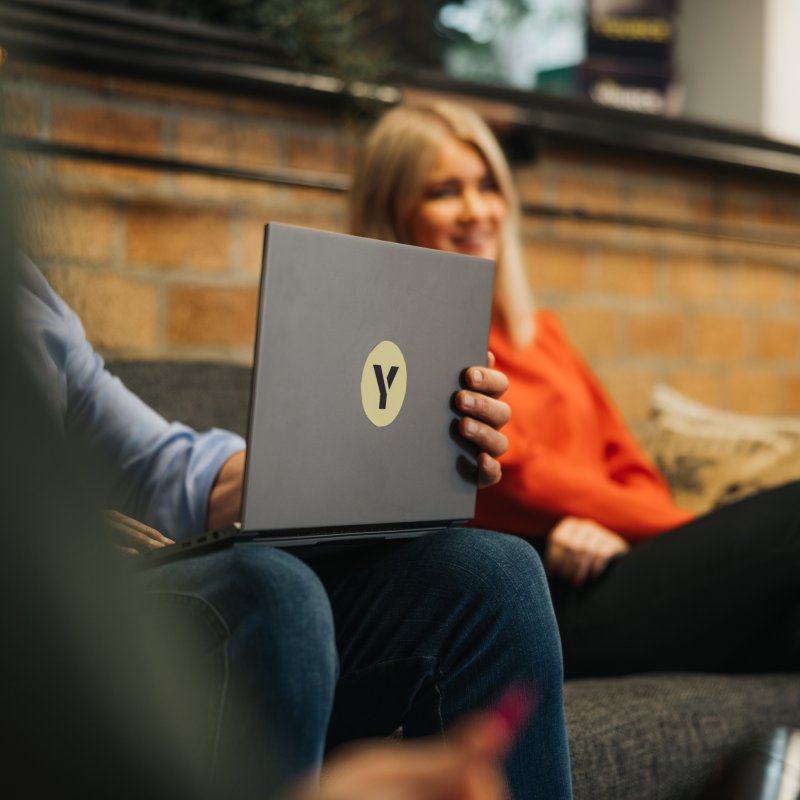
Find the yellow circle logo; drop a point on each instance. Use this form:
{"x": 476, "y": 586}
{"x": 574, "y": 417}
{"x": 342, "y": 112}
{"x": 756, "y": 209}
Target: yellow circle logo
{"x": 383, "y": 384}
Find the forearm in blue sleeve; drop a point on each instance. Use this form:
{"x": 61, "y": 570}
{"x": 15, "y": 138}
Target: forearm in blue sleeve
{"x": 159, "y": 472}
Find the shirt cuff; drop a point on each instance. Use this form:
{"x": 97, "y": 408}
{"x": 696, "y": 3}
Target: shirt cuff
{"x": 212, "y": 449}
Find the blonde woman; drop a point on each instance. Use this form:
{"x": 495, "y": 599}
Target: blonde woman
{"x": 638, "y": 584}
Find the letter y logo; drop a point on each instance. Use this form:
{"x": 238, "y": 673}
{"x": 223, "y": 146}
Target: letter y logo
{"x": 383, "y": 388}
{"x": 383, "y": 384}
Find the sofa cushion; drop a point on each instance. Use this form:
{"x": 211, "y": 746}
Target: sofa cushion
{"x": 667, "y": 735}
{"x": 203, "y": 395}
{"x": 712, "y": 457}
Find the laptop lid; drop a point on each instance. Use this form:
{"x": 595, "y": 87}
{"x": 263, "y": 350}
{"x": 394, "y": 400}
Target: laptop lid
{"x": 360, "y": 347}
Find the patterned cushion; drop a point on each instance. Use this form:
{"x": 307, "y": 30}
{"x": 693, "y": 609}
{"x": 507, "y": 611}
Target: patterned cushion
{"x": 712, "y": 457}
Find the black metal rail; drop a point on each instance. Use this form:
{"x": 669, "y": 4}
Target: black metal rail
{"x": 277, "y": 175}
{"x": 337, "y": 182}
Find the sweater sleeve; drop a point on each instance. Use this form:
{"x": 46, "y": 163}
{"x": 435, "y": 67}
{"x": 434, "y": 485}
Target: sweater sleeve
{"x": 626, "y": 464}
{"x": 545, "y": 487}
{"x": 570, "y": 452}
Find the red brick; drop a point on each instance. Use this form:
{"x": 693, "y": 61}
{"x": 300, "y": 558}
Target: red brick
{"x": 285, "y": 111}
{"x": 742, "y": 199}
{"x": 588, "y": 195}
{"x": 778, "y": 339}
{"x": 530, "y": 184}
{"x": 313, "y": 208}
{"x": 700, "y": 385}
{"x": 754, "y": 251}
{"x": 736, "y": 208}
{"x": 627, "y": 273}
{"x": 630, "y": 389}
{"x": 593, "y": 331}
{"x": 578, "y": 231}
{"x": 212, "y": 315}
{"x": 333, "y": 220}
{"x": 318, "y": 152}
{"x": 86, "y": 174}
{"x": 793, "y": 394}
{"x": 107, "y": 128}
{"x": 171, "y": 236}
{"x": 83, "y": 232}
{"x": 117, "y": 312}
{"x": 668, "y": 203}
{"x": 251, "y": 242}
{"x": 719, "y": 338}
{"x": 784, "y": 212}
{"x": 694, "y": 278}
{"x": 535, "y": 228}
{"x": 217, "y": 189}
{"x": 314, "y": 201}
{"x": 677, "y": 244}
{"x": 757, "y": 283}
{"x": 660, "y": 334}
{"x": 225, "y": 143}
{"x": 172, "y": 96}
{"x": 555, "y": 267}
{"x": 757, "y": 391}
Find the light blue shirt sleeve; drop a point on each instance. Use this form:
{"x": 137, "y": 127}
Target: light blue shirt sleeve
{"x": 159, "y": 472}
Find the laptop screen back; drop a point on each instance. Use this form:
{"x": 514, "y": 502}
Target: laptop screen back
{"x": 360, "y": 348}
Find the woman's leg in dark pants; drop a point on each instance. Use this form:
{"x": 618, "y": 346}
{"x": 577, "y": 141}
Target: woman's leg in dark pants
{"x": 721, "y": 594}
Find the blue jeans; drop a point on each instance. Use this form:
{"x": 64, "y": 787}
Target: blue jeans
{"x": 262, "y": 638}
{"x": 426, "y": 631}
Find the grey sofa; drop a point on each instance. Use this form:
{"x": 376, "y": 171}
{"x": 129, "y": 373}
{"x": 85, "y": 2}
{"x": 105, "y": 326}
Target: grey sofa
{"x": 641, "y": 737}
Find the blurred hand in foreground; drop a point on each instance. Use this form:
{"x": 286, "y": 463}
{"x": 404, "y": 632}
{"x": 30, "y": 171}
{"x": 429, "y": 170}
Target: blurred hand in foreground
{"x": 133, "y": 537}
{"x": 468, "y": 767}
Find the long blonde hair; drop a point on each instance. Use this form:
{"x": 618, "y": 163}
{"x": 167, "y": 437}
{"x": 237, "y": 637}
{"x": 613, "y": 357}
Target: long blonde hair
{"x": 389, "y": 180}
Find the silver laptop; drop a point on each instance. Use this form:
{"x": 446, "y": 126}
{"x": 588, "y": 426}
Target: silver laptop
{"x": 360, "y": 348}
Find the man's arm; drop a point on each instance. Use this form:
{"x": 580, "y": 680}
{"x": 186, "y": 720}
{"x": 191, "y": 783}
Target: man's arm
{"x": 155, "y": 471}
{"x": 225, "y": 499}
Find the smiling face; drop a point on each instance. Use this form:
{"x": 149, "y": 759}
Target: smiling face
{"x": 461, "y": 209}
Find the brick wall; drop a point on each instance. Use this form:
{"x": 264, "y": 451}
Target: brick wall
{"x": 161, "y": 263}
{"x": 715, "y": 316}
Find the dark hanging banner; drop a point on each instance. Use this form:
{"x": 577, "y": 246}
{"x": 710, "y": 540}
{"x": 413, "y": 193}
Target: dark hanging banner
{"x": 630, "y": 55}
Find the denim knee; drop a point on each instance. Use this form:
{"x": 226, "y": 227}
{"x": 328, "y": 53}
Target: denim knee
{"x": 285, "y": 648}
{"x": 274, "y": 642}
{"x": 506, "y": 565}
{"x": 286, "y": 599}
{"x": 275, "y": 610}
{"x": 505, "y": 577}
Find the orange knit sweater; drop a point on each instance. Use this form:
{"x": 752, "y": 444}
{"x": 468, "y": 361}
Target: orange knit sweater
{"x": 570, "y": 452}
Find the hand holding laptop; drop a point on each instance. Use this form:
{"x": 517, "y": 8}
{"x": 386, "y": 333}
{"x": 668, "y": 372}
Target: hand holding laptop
{"x": 484, "y": 416}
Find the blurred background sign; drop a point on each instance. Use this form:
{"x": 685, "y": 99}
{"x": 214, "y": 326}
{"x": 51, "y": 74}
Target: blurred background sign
{"x": 630, "y": 58}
